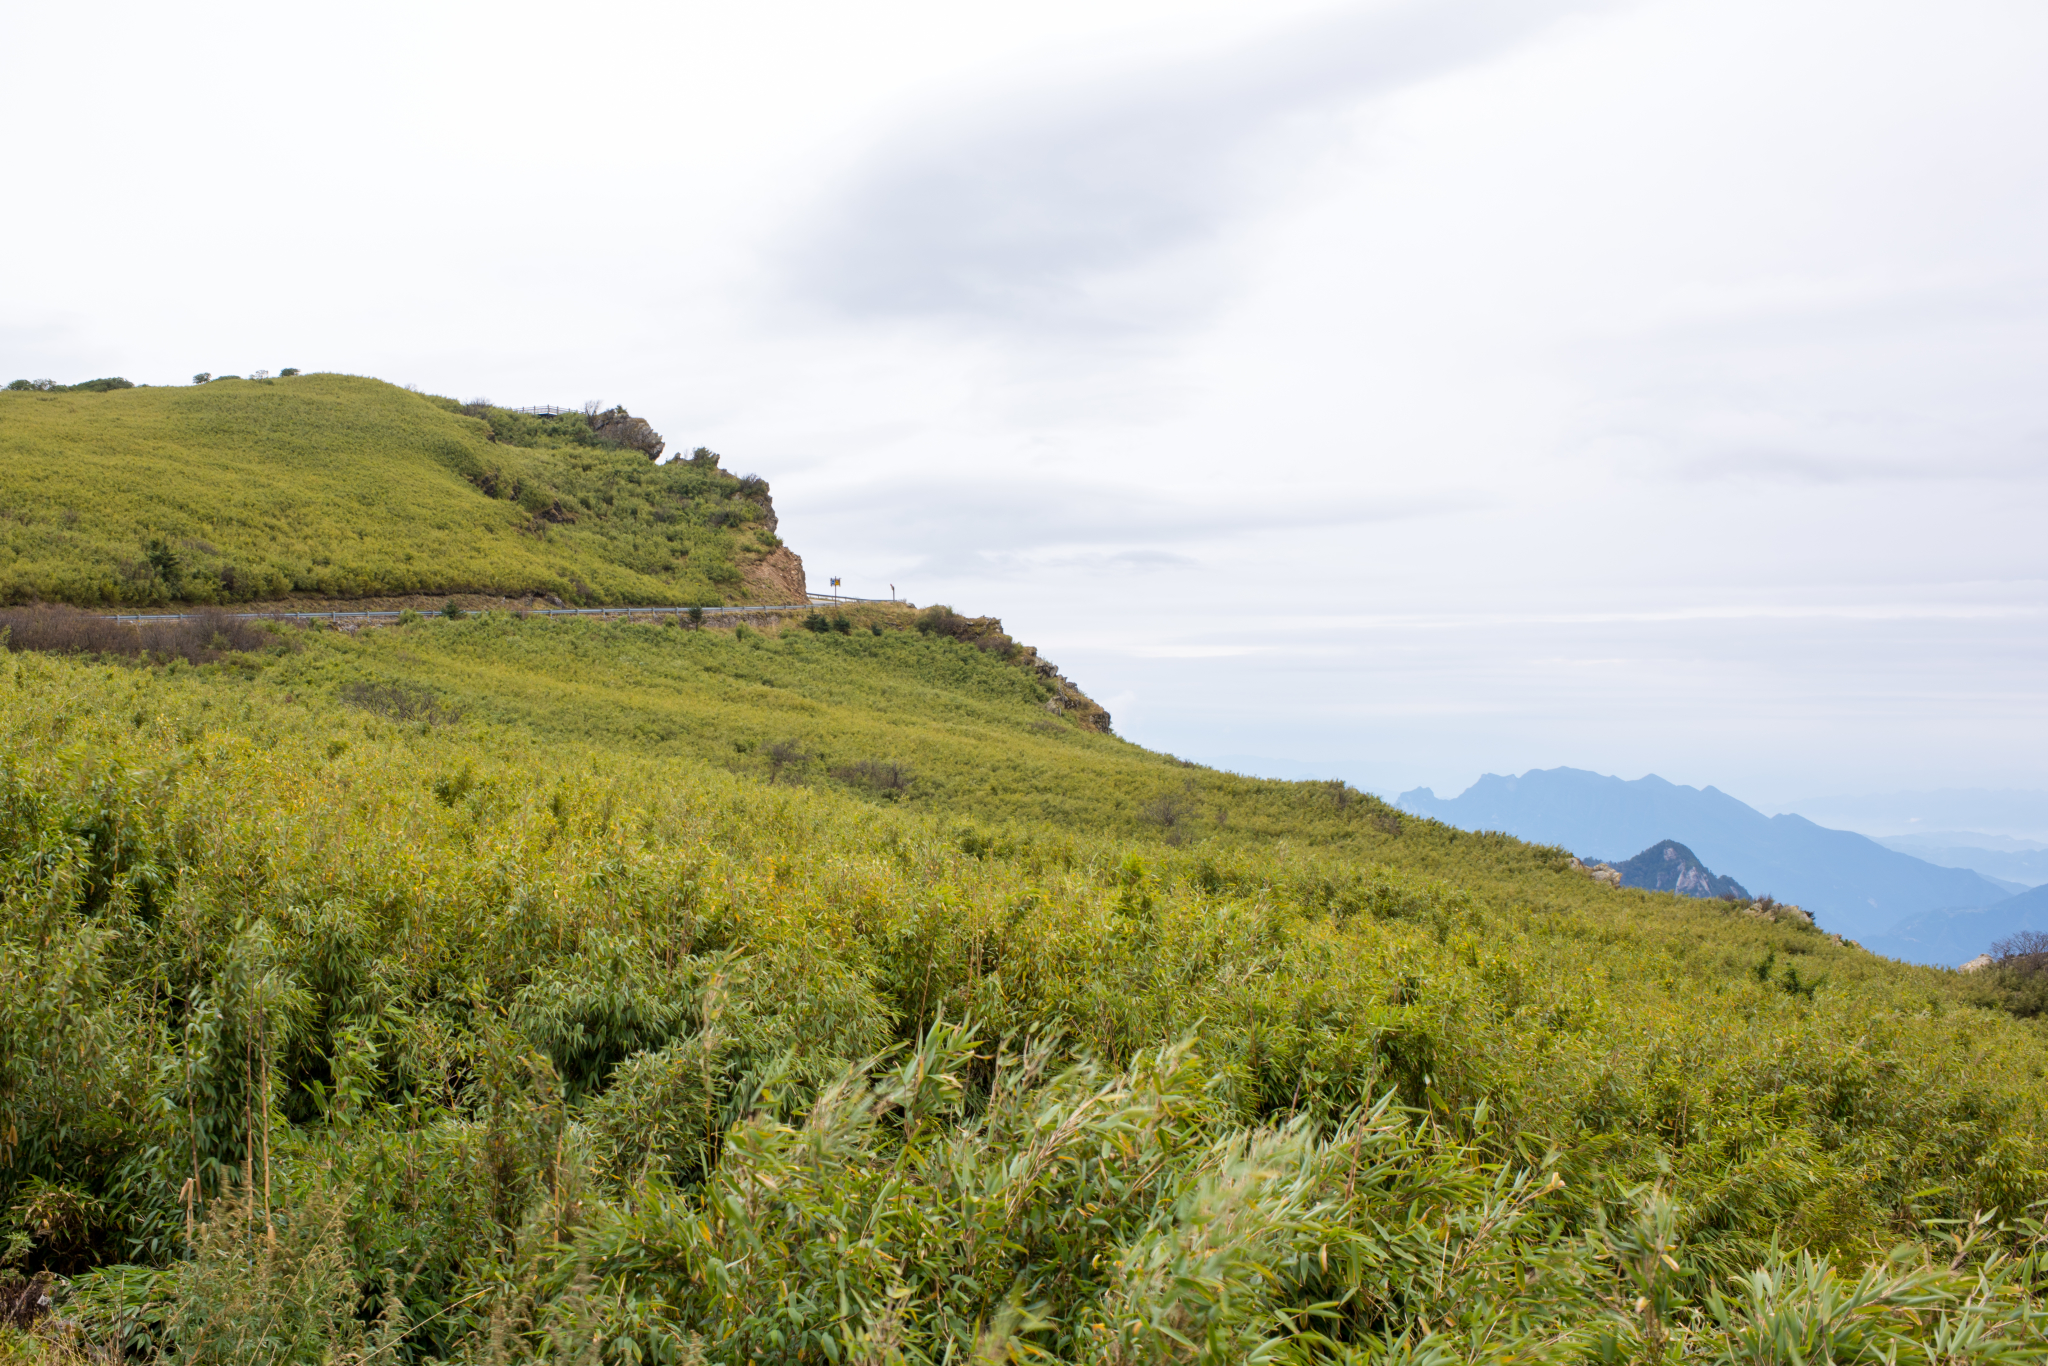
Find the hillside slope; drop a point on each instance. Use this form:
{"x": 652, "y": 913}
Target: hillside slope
{"x": 521, "y": 956}
{"x": 343, "y": 487}
{"x": 1854, "y": 885}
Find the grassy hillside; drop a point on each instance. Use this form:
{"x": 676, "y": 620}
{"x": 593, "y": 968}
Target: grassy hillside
{"x": 343, "y": 487}
{"x": 511, "y": 988}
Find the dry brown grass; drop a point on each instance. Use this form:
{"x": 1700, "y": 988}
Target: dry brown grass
{"x": 198, "y": 637}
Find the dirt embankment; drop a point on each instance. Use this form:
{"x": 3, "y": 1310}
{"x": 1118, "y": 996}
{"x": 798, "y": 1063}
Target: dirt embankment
{"x": 777, "y": 577}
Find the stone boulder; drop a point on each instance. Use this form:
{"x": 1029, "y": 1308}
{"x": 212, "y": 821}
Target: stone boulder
{"x": 1605, "y": 873}
{"x": 629, "y": 431}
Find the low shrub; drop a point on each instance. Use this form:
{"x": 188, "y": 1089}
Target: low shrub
{"x": 784, "y": 754}
{"x": 397, "y": 702}
{"x": 888, "y": 779}
{"x": 195, "y": 637}
{"x": 262, "y": 1291}
{"x": 2018, "y": 978}
{"x": 940, "y": 620}
{"x": 91, "y": 386}
{"x": 1173, "y": 813}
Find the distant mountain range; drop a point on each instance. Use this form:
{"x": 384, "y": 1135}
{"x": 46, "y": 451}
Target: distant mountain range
{"x": 1852, "y": 885}
{"x": 1955, "y": 937}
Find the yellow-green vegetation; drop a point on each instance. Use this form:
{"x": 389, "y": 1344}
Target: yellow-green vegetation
{"x": 344, "y": 487}
{"x": 957, "y": 728}
{"x": 500, "y": 988}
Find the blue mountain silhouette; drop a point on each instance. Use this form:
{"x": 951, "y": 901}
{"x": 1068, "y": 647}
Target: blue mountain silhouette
{"x": 1852, "y": 885}
{"x": 1955, "y": 937}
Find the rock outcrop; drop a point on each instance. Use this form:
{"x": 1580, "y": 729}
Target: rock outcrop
{"x": 1600, "y": 872}
{"x": 1668, "y": 866}
{"x": 754, "y": 489}
{"x": 633, "y": 432}
{"x": 776, "y": 579}
{"x": 1067, "y": 700}
{"x": 1778, "y": 912}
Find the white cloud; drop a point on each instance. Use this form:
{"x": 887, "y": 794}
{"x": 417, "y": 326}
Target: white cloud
{"x": 1058, "y": 203}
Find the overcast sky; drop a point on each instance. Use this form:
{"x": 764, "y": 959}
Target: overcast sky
{"x": 1403, "y": 391}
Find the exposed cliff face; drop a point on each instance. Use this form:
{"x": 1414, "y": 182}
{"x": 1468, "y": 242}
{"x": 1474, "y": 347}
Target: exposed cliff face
{"x": 776, "y": 579}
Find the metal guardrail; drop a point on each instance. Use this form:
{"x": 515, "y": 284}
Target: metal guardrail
{"x": 528, "y": 611}
{"x": 816, "y": 600}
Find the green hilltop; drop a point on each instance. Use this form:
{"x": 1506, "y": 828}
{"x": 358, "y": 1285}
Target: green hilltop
{"x": 335, "y": 486}
{"x": 833, "y": 986}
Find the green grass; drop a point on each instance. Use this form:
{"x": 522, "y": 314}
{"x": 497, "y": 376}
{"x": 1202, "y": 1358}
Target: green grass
{"x": 343, "y": 487}
{"x": 971, "y": 732}
{"x": 544, "y": 1010}
{"x": 972, "y": 729}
